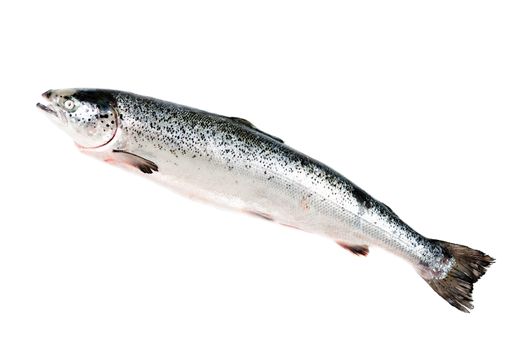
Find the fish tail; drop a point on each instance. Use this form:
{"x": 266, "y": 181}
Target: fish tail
{"x": 468, "y": 266}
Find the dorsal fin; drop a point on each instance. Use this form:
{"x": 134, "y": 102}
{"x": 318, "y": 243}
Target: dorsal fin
{"x": 251, "y": 126}
{"x": 387, "y": 207}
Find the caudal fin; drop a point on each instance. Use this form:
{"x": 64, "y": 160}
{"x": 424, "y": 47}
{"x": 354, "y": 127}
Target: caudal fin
{"x": 457, "y": 286}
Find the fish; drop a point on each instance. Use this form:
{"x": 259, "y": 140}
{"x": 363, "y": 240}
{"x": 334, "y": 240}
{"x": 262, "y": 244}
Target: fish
{"x": 230, "y": 162}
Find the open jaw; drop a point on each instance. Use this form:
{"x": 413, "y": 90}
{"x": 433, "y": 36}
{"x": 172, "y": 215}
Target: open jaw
{"x": 47, "y": 108}
{"x": 51, "y": 110}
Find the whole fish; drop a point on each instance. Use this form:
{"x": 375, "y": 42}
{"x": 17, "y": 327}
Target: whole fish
{"x": 232, "y": 163}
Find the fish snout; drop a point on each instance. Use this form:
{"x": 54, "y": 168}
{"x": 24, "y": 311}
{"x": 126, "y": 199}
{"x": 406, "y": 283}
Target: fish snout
{"x": 47, "y": 94}
{"x": 48, "y": 105}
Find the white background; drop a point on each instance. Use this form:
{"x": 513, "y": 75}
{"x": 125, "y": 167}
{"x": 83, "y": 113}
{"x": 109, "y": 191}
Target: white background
{"x": 420, "y": 103}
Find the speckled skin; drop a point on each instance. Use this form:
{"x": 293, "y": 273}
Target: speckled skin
{"x": 229, "y": 162}
{"x": 232, "y": 164}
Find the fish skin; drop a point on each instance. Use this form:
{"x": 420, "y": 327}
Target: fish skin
{"x": 229, "y": 162}
{"x": 201, "y": 147}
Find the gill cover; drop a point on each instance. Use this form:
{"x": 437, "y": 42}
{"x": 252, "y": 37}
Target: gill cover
{"x": 89, "y": 116}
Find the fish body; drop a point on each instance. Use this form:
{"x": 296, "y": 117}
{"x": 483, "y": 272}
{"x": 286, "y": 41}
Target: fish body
{"x": 230, "y": 162}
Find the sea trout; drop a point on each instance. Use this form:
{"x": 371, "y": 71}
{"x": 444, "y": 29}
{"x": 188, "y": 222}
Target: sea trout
{"x": 230, "y": 162}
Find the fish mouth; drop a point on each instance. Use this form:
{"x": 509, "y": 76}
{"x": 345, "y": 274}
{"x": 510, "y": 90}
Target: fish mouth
{"x": 48, "y": 108}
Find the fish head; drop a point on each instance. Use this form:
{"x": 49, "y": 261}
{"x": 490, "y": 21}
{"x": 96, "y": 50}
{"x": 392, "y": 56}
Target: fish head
{"x": 89, "y": 116}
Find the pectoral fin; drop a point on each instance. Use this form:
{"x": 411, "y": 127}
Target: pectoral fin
{"x": 144, "y": 165}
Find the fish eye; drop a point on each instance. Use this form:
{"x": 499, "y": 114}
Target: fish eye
{"x": 69, "y": 104}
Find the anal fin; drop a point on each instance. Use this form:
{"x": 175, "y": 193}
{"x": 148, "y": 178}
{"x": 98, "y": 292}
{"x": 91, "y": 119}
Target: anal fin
{"x": 144, "y": 165}
{"x": 355, "y": 249}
